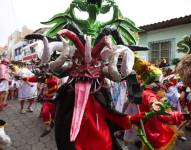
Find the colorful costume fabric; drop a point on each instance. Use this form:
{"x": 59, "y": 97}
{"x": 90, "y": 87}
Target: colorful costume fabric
{"x": 48, "y": 106}
{"x": 173, "y": 97}
{"x": 118, "y": 92}
{"x": 159, "y": 133}
{"x": 97, "y": 124}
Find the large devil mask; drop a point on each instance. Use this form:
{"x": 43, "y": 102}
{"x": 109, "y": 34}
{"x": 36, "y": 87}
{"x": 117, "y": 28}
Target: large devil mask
{"x": 88, "y": 66}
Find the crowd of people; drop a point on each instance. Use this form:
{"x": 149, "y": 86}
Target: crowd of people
{"x": 19, "y": 82}
{"x": 161, "y": 131}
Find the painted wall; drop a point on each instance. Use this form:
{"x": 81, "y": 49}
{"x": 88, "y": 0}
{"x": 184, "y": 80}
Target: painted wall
{"x": 175, "y": 34}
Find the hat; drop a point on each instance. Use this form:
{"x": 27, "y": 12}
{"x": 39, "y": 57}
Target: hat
{"x": 149, "y": 72}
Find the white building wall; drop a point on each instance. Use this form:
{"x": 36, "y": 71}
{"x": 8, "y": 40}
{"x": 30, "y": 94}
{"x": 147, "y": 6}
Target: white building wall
{"x": 175, "y": 34}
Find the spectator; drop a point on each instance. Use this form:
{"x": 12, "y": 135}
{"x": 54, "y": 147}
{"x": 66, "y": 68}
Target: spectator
{"x": 163, "y": 63}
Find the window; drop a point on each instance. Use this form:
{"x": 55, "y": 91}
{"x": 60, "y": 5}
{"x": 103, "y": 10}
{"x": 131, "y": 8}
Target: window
{"x": 160, "y": 50}
{"x": 27, "y": 51}
{"x": 18, "y": 51}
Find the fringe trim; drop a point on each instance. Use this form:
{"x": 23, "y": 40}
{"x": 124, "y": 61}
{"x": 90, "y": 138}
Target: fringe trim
{"x": 170, "y": 144}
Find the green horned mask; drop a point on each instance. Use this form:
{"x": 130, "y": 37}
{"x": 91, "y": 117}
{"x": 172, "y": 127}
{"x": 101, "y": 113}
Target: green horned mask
{"x": 91, "y": 26}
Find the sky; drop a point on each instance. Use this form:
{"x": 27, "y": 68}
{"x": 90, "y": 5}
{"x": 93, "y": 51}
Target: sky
{"x": 14, "y": 14}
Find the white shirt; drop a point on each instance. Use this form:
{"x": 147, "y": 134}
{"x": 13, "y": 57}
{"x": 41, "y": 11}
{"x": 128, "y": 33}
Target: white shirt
{"x": 4, "y": 85}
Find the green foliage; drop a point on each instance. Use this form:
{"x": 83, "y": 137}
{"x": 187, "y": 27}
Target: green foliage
{"x": 184, "y": 45}
{"x": 175, "y": 61}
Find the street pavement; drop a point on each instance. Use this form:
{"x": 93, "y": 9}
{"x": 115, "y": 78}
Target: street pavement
{"x": 25, "y": 130}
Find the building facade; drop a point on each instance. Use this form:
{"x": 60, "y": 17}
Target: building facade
{"x": 33, "y": 49}
{"x": 15, "y": 41}
{"x": 3, "y": 52}
{"x": 162, "y": 39}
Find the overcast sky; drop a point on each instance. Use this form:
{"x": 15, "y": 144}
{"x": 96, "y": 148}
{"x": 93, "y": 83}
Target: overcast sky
{"x": 16, "y": 13}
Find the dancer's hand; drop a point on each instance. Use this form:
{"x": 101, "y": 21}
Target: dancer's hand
{"x": 135, "y": 119}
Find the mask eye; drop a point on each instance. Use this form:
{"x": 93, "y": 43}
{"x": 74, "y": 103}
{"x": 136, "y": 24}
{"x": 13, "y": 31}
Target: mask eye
{"x": 81, "y": 14}
{"x": 105, "y": 17}
{"x": 97, "y": 64}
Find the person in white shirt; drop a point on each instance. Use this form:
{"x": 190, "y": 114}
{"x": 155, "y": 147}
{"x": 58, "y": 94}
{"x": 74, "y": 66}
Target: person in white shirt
{"x": 26, "y": 91}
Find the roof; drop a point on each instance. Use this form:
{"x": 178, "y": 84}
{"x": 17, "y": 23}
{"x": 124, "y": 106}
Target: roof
{"x": 167, "y": 23}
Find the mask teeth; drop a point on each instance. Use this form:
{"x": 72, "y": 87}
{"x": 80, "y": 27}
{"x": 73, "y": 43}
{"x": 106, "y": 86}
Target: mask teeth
{"x": 70, "y": 81}
{"x": 95, "y": 86}
{"x": 98, "y": 82}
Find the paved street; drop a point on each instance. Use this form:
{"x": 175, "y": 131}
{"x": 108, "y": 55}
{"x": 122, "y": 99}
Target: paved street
{"x": 25, "y": 130}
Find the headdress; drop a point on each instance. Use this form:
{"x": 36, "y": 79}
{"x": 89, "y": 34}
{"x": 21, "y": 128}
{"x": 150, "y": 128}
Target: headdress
{"x": 149, "y": 73}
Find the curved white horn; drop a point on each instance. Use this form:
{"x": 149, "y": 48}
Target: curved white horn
{"x": 113, "y": 60}
{"x": 112, "y": 67}
{"x": 88, "y": 48}
{"x": 127, "y": 62}
{"x": 67, "y": 53}
{"x": 105, "y": 71}
{"x": 46, "y": 51}
{"x": 56, "y": 46}
{"x": 106, "y": 54}
{"x": 62, "y": 58}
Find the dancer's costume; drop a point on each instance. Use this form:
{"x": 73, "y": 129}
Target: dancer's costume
{"x": 173, "y": 95}
{"x": 48, "y": 107}
{"x": 159, "y": 131}
{"x": 26, "y": 90}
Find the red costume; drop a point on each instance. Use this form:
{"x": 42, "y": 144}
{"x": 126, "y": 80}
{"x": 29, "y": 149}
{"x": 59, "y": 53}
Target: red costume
{"x": 159, "y": 133}
{"x": 48, "y": 107}
{"x": 95, "y": 132}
